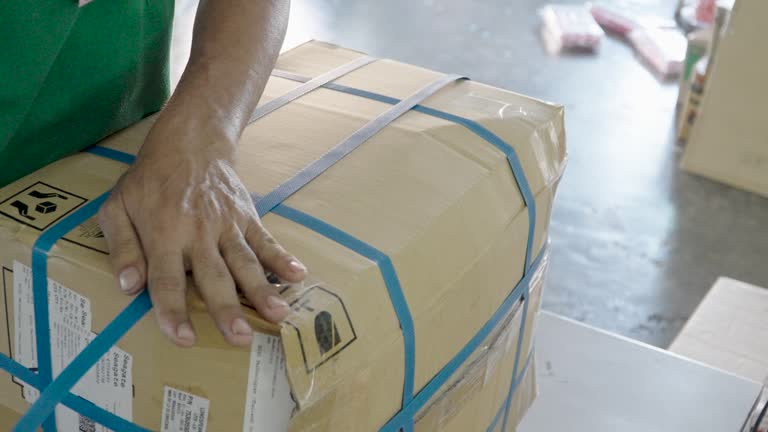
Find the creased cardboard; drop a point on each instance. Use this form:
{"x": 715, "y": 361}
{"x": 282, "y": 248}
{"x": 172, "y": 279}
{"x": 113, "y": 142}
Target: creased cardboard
{"x": 437, "y": 199}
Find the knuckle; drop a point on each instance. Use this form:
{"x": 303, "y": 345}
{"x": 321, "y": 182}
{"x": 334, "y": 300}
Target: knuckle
{"x": 266, "y": 245}
{"x": 167, "y": 284}
{"x": 212, "y": 268}
{"x": 263, "y": 289}
{"x": 240, "y": 257}
{"x": 220, "y": 271}
{"x": 170, "y": 311}
{"x": 225, "y": 310}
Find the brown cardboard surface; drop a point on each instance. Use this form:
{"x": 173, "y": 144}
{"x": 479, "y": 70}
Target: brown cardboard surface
{"x": 729, "y": 141}
{"x": 8, "y": 417}
{"x": 438, "y": 200}
{"x": 474, "y": 395}
{"x": 728, "y": 330}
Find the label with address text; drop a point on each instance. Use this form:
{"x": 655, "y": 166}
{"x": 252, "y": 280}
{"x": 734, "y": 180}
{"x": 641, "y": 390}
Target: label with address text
{"x": 184, "y": 412}
{"x": 108, "y": 384}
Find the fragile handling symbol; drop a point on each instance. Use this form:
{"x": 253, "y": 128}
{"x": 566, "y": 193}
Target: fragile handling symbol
{"x": 38, "y": 194}
{"x": 43, "y": 207}
{"x": 40, "y": 205}
{"x": 23, "y": 209}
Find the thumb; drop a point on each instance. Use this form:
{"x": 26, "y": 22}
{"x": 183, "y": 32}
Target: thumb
{"x": 126, "y": 254}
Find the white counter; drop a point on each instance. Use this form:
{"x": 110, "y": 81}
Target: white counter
{"x": 594, "y": 381}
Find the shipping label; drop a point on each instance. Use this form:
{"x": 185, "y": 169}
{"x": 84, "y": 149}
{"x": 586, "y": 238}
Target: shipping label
{"x": 268, "y": 402}
{"x": 184, "y": 412}
{"x": 108, "y": 384}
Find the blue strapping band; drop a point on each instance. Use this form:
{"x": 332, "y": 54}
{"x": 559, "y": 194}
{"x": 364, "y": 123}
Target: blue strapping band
{"x": 508, "y": 400}
{"x": 109, "y": 153}
{"x": 429, "y": 390}
{"x": 519, "y": 175}
{"x": 71, "y": 401}
{"x": 388, "y": 273}
{"x": 516, "y": 380}
{"x": 40, "y": 250}
{"x": 338, "y": 152}
{"x": 59, "y": 388}
{"x": 100, "y": 415}
{"x": 16, "y": 369}
{"x": 475, "y": 127}
{"x": 277, "y": 196}
{"x": 45, "y": 405}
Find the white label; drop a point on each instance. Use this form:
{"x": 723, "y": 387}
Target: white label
{"x": 268, "y": 402}
{"x": 108, "y": 384}
{"x": 184, "y": 412}
{"x": 24, "y": 341}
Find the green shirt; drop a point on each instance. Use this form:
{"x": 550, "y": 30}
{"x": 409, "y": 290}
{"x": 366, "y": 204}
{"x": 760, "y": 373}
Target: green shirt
{"x": 71, "y": 75}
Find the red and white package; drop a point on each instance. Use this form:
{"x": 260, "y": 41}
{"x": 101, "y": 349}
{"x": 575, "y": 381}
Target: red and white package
{"x": 570, "y": 27}
{"x": 622, "y": 20}
{"x": 662, "y": 49}
{"x": 615, "y": 20}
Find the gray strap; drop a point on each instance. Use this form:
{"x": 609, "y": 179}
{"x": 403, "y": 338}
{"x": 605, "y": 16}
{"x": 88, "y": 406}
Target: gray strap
{"x": 289, "y": 76}
{"x": 311, "y": 171}
{"x": 309, "y": 85}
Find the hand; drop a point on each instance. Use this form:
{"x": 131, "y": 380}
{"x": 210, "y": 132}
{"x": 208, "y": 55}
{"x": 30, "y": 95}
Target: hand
{"x": 182, "y": 207}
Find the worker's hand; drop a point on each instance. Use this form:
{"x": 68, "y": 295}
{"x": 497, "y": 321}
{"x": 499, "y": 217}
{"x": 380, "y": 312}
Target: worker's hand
{"x": 182, "y": 207}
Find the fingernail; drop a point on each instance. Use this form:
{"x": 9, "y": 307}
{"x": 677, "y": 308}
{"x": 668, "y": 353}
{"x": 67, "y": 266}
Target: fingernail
{"x": 296, "y": 266}
{"x": 129, "y": 278}
{"x": 275, "y": 302}
{"x": 184, "y": 333}
{"x": 241, "y": 328}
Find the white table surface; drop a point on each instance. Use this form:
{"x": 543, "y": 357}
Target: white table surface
{"x": 593, "y": 381}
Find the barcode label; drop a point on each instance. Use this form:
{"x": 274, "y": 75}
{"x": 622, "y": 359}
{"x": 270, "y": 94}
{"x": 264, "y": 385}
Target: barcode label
{"x": 184, "y": 412}
{"x": 87, "y": 425}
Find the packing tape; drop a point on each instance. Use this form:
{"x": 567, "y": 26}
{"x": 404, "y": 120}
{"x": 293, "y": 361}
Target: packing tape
{"x": 402, "y": 420}
{"x": 31, "y": 420}
{"x": 478, "y": 129}
{"x": 526, "y": 299}
{"x": 274, "y": 198}
{"x": 388, "y": 273}
{"x": 76, "y": 403}
{"x": 405, "y": 416}
{"x": 327, "y": 160}
{"x": 518, "y": 174}
{"x": 308, "y": 86}
{"x": 58, "y": 389}
{"x": 504, "y": 408}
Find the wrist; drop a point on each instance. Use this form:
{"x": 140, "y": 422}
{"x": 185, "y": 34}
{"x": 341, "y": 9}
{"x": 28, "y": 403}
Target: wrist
{"x": 193, "y": 129}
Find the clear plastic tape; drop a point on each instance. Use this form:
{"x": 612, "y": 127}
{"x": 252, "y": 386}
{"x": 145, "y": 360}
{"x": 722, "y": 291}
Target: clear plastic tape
{"x": 481, "y": 370}
{"x": 544, "y": 137}
{"x": 523, "y": 398}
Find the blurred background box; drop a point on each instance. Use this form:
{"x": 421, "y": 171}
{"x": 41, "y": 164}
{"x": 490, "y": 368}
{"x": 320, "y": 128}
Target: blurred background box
{"x": 729, "y": 141}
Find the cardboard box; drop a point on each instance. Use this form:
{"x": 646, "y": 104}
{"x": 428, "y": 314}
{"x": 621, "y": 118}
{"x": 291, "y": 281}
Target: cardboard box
{"x": 729, "y": 140}
{"x": 728, "y": 330}
{"x": 437, "y": 199}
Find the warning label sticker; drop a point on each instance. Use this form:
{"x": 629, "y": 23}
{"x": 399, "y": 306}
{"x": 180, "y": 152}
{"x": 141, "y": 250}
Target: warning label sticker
{"x": 40, "y": 205}
{"x": 89, "y": 235}
{"x": 184, "y": 412}
{"x": 322, "y": 326}
{"x": 268, "y": 402}
{"x": 108, "y": 384}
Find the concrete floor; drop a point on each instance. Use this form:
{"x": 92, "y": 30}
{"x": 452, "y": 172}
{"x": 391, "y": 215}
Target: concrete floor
{"x": 636, "y": 243}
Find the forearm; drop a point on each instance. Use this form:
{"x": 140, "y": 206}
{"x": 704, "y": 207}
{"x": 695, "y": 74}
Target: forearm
{"x": 234, "y": 48}
{"x": 181, "y": 206}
